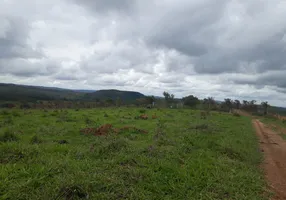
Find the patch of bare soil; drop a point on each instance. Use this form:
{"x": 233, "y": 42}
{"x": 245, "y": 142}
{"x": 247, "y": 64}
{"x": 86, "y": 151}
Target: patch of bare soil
{"x": 274, "y": 148}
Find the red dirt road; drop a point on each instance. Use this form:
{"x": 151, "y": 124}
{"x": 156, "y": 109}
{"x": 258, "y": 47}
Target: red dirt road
{"x": 274, "y": 148}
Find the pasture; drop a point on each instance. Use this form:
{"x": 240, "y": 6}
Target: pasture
{"x": 174, "y": 154}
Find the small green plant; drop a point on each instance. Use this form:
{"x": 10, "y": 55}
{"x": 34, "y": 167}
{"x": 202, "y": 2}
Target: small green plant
{"x": 142, "y": 111}
{"x": 5, "y": 112}
{"x": 72, "y": 192}
{"x": 36, "y": 140}
{"x": 8, "y": 136}
{"x": 236, "y": 114}
{"x": 16, "y": 113}
{"x": 88, "y": 121}
{"x": 8, "y": 121}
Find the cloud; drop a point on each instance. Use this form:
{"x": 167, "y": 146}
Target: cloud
{"x": 217, "y": 48}
{"x": 14, "y": 33}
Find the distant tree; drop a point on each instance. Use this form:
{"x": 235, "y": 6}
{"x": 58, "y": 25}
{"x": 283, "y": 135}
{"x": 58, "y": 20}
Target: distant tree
{"x": 169, "y": 98}
{"x": 109, "y": 102}
{"x": 150, "y": 99}
{"x": 249, "y": 106}
{"x": 245, "y": 103}
{"x": 237, "y": 104}
{"x": 265, "y": 106}
{"x": 118, "y": 101}
{"x": 228, "y": 103}
{"x": 142, "y": 101}
{"x": 191, "y": 100}
{"x": 209, "y": 102}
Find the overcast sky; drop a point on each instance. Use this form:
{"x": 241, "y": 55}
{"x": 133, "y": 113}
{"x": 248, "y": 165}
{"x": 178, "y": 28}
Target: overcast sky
{"x": 219, "y": 48}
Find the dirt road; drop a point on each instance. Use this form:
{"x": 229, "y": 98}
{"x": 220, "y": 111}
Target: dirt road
{"x": 274, "y": 148}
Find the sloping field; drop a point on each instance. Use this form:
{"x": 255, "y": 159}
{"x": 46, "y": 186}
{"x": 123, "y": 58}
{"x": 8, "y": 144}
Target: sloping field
{"x": 129, "y": 153}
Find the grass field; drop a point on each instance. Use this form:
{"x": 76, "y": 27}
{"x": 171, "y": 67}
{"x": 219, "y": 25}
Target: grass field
{"x": 43, "y": 155}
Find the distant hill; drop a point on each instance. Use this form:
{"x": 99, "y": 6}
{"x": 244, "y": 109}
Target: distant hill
{"x": 126, "y": 96}
{"x": 13, "y": 92}
{"x": 278, "y": 110}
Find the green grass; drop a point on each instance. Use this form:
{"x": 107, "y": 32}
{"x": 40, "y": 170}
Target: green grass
{"x": 181, "y": 157}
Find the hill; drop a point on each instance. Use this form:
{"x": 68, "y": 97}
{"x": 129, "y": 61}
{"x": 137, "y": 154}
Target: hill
{"x": 13, "y": 92}
{"x": 126, "y": 96}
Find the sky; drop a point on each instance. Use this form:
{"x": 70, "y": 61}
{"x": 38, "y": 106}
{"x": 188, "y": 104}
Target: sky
{"x": 207, "y": 48}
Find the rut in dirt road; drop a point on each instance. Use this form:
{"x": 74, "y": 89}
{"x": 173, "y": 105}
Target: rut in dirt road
{"x": 274, "y": 148}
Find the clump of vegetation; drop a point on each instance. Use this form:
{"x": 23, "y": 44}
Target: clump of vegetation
{"x": 16, "y": 113}
{"x": 201, "y": 127}
{"x": 4, "y": 112}
{"x": 235, "y": 114}
{"x": 142, "y": 111}
{"x": 89, "y": 121}
{"x": 8, "y": 121}
{"x": 72, "y": 192}
{"x": 65, "y": 117}
{"x": 8, "y": 136}
{"x": 36, "y": 140}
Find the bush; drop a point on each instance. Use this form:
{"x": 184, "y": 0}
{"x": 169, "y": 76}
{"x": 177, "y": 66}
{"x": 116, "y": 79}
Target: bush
{"x": 8, "y": 137}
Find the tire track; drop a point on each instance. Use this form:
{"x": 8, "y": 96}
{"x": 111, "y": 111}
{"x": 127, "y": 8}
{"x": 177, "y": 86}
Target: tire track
{"x": 274, "y": 165}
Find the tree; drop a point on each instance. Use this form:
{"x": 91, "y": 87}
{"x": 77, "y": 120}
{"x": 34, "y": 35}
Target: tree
{"x": 191, "y": 100}
{"x": 265, "y": 106}
{"x": 237, "y": 104}
{"x": 150, "y": 99}
{"x": 118, "y": 101}
{"x": 228, "y": 103}
{"x": 169, "y": 98}
{"x": 209, "y": 102}
{"x": 109, "y": 102}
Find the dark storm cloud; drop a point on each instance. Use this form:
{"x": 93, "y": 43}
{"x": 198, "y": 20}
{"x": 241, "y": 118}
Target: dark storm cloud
{"x": 13, "y": 40}
{"x": 215, "y": 48}
{"x": 272, "y": 78}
